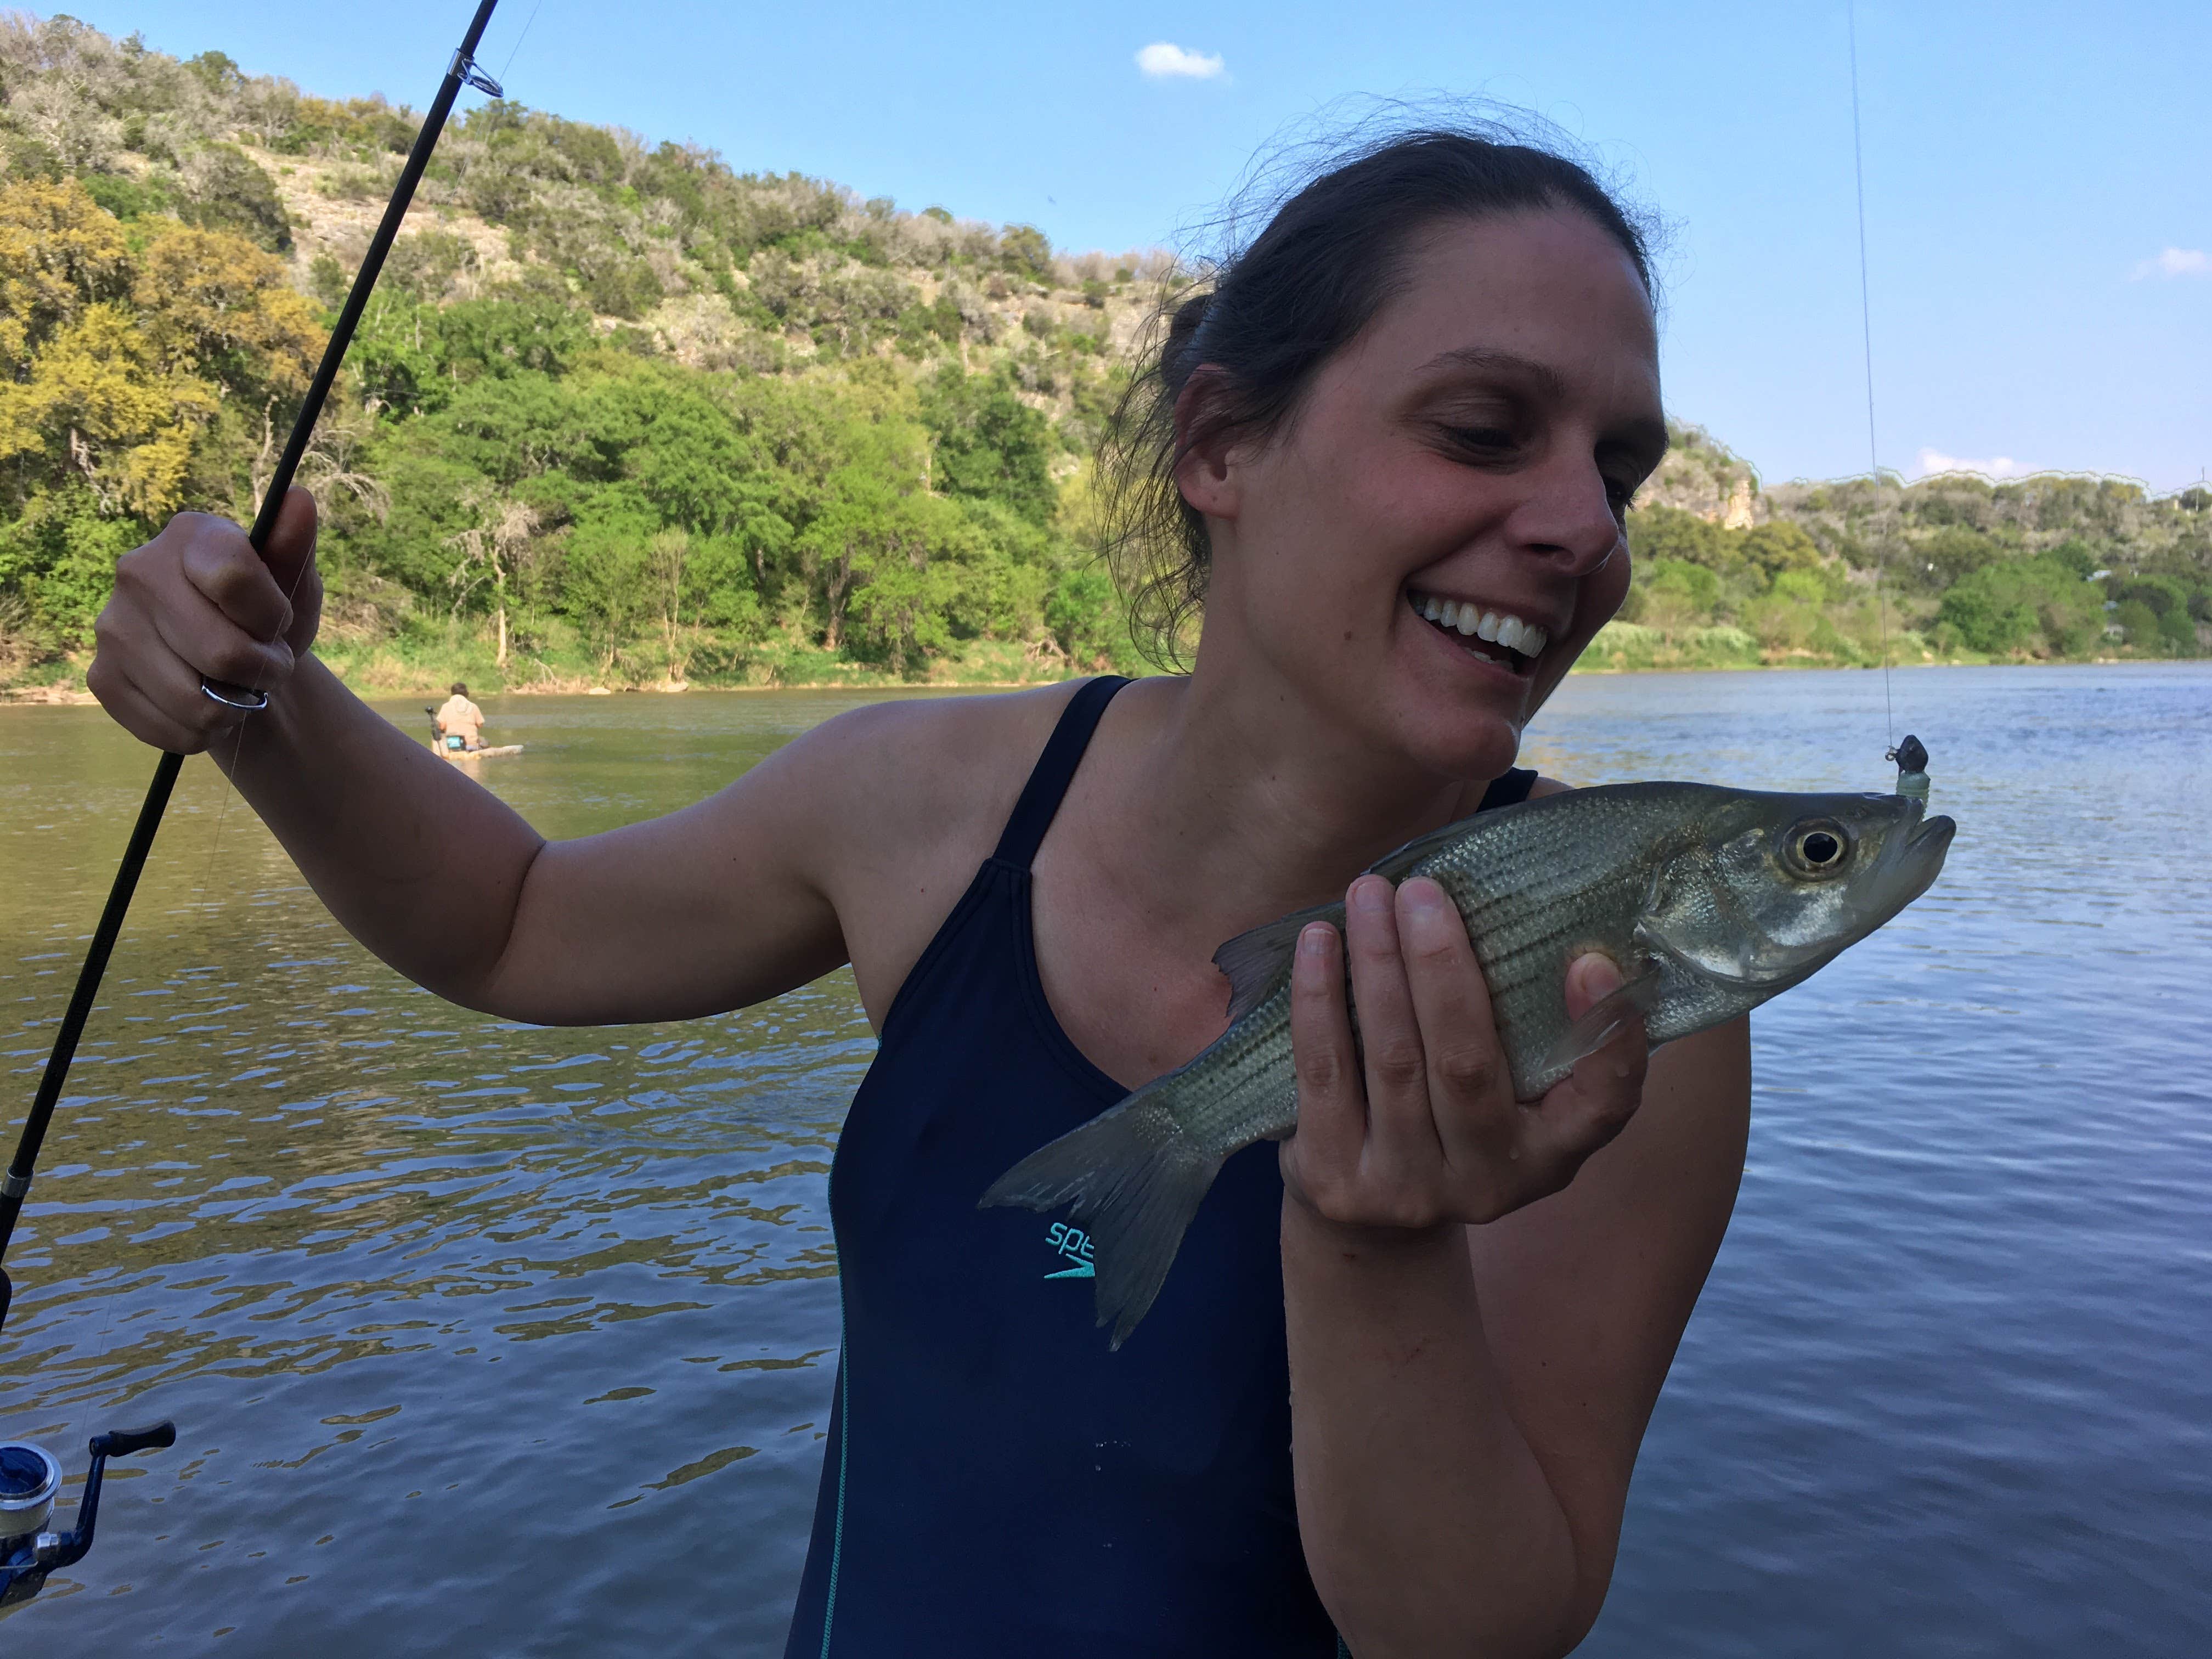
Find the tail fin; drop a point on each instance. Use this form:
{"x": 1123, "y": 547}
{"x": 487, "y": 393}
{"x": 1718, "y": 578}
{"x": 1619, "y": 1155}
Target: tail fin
{"x": 1133, "y": 1179}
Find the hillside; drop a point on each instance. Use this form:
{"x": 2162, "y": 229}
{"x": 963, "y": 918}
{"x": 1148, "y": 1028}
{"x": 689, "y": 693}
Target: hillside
{"x": 621, "y": 414}
{"x": 2058, "y": 565}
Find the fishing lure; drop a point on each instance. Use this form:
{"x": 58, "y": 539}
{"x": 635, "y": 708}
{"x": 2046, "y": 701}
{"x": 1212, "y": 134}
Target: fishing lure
{"x": 1911, "y": 758}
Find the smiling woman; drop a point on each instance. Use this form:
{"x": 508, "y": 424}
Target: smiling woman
{"x": 1271, "y": 314}
{"x": 1393, "y": 1395}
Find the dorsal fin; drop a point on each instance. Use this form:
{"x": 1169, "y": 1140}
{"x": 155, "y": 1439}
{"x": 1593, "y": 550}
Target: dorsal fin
{"x": 1255, "y": 962}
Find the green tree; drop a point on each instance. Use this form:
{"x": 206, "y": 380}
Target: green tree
{"x": 990, "y": 445}
{"x": 2077, "y": 555}
{"x": 1667, "y": 533}
{"x": 1024, "y": 250}
{"x": 2138, "y": 625}
{"x": 2024, "y": 605}
{"x": 1954, "y": 552}
{"x": 225, "y": 191}
{"x": 1676, "y": 594}
{"x": 1780, "y": 547}
{"x": 607, "y": 588}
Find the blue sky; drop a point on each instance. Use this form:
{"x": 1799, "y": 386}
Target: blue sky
{"x": 2038, "y": 204}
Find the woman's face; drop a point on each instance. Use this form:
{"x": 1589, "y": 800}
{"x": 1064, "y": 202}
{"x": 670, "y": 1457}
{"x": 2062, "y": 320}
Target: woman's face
{"x": 1469, "y": 456}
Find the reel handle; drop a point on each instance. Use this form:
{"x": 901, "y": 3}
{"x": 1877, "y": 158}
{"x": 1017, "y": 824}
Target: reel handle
{"x": 121, "y": 1442}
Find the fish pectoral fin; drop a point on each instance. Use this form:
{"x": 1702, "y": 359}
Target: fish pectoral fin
{"x": 1603, "y": 1021}
{"x": 1255, "y": 962}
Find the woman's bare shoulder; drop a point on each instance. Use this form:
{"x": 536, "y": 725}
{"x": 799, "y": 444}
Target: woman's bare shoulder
{"x": 927, "y": 766}
{"x": 906, "y": 799}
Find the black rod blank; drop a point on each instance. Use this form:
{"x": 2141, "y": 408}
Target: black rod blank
{"x": 463, "y": 70}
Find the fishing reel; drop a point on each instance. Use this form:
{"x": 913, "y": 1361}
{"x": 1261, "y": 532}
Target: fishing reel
{"x": 30, "y": 1480}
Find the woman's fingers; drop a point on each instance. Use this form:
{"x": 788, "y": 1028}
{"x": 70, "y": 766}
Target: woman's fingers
{"x": 1402, "y": 1145}
{"x": 1332, "y": 1124}
{"x": 214, "y": 645}
{"x": 143, "y": 717}
{"x": 1417, "y": 1122}
{"x": 195, "y": 602}
{"x": 221, "y": 566}
{"x": 172, "y": 682}
{"x": 1470, "y": 1087}
{"x": 152, "y": 691}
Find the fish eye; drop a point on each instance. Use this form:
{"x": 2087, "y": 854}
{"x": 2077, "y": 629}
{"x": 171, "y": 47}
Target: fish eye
{"x": 1818, "y": 849}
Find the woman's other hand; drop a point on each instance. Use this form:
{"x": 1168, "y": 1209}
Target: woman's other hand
{"x": 195, "y": 601}
{"x": 1422, "y": 1129}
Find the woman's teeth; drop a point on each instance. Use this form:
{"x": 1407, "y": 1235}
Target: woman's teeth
{"x": 1467, "y": 618}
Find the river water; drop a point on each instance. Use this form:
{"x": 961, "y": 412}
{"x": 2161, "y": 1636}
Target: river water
{"x": 489, "y": 1339}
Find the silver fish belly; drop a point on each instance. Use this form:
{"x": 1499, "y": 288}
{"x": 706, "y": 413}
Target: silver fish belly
{"x": 1710, "y": 900}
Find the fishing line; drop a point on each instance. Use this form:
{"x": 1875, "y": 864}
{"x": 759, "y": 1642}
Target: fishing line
{"x": 519, "y": 38}
{"x": 1866, "y": 344}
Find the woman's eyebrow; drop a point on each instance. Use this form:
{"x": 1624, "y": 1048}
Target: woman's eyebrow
{"x": 1487, "y": 360}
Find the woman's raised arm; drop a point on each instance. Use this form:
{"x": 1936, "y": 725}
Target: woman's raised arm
{"x": 712, "y": 908}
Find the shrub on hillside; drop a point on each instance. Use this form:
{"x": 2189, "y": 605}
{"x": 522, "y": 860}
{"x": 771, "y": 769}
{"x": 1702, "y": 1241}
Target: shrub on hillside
{"x": 2025, "y": 606}
{"x": 223, "y": 190}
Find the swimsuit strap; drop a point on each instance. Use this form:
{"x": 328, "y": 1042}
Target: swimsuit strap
{"x": 1055, "y": 769}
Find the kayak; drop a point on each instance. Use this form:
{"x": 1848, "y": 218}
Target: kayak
{"x": 477, "y": 754}
{"x": 490, "y": 752}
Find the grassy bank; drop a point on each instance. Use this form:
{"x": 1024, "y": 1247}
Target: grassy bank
{"x": 425, "y": 666}
{"x": 415, "y": 666}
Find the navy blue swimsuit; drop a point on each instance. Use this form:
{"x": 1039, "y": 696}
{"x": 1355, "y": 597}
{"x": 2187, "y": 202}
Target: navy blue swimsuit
{"x": 997, "y": 1482}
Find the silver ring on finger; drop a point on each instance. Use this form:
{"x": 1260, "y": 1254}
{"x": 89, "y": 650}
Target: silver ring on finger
{"x": 245, "y": 697}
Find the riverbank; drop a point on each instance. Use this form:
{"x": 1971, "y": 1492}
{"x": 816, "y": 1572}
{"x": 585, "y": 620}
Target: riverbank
{"x": 1619, "y": 648}
{"x": 71, "y": 693}
{"x": 383, "y": 670}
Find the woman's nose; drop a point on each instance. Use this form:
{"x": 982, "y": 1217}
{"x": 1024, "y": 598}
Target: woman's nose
{"x": 1568, "y": 517}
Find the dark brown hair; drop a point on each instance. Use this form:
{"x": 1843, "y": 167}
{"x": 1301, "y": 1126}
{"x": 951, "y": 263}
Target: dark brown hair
{"x": 1269, "y": 315}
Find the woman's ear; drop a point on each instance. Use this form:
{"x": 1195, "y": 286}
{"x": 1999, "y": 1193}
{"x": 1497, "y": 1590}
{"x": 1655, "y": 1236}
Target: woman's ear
{"x": 1203, "y": 444}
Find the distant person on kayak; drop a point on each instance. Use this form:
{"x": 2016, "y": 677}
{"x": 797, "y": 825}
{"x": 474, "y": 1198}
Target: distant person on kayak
{"x": 458, "y": 722}
{"x": 1378, "y": 465}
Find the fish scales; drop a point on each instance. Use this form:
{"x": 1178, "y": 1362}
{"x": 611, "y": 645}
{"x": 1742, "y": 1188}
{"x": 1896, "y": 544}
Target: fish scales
{"x": 1709, "y": 900}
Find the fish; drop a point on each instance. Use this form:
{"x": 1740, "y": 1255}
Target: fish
{"x": 1710, "y": 900}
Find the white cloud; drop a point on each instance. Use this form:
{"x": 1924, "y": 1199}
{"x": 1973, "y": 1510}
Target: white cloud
{"x": 2177, "y": 262}
{"x": 1933, "y": 461}
{"x": 1166, "y": 62}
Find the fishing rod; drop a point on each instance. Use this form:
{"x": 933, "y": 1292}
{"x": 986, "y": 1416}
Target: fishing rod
{"x": 30, "y": 1477}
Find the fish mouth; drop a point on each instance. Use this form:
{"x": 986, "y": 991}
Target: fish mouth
{"x": 1932, "y": 839}
{"x": 1908, "y": 866}
{"x": 1486, "y": 632}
